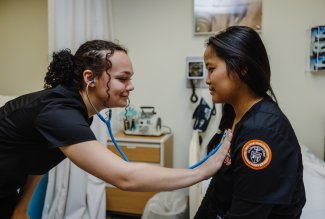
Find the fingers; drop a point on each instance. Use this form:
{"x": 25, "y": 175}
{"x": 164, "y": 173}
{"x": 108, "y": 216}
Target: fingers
{"x": 226, "y": 143}
{"x": 229, "y": 135}
{"x": 214, "y": 164}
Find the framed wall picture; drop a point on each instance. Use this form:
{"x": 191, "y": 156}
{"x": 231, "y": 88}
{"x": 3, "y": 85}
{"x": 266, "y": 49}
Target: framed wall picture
{"x": 213, "y": 16}
{"x": 317, "y": 48}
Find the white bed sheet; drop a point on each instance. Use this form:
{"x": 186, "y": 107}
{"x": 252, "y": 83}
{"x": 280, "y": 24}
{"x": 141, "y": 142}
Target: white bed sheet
{"x": 314, "y": 180}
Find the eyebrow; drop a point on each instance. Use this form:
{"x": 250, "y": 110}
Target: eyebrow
{"x": 127, "y": 72}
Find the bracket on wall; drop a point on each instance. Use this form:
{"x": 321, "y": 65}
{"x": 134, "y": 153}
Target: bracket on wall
{"x": 198, "y": 83}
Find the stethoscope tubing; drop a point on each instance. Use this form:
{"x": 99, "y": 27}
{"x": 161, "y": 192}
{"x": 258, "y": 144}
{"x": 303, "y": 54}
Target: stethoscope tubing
{"x": 210, "y": 154}
{"x": 108, "y": 124}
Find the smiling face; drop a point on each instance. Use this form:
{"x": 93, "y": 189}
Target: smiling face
{"x": 224, "y": 87}
{"x": 113, "y": 87}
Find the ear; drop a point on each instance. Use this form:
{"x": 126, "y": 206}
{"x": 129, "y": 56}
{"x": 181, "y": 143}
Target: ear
{"x": 244, "y": 72}
{"x": 89, "y": 78}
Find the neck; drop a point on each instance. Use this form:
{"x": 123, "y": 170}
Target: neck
{"x": 91, "y": 111}
{"x": 243, "y": 104}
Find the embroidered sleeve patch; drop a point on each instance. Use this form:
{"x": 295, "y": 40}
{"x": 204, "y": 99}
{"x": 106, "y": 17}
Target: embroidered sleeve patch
{"x": 256, "y": 154}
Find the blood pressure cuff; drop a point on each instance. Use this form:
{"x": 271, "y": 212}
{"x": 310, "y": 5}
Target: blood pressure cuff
{"x": 202, "y": 115}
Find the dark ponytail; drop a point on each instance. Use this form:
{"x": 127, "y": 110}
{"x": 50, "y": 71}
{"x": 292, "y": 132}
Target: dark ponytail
{"x": 245, "y": 55}
{"x": 227, "y": 119}
{"x": 60, "y": 70}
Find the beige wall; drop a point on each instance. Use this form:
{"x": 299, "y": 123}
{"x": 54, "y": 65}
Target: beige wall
{"x": 159, "y": 36}
{"x": 24, "y": 47}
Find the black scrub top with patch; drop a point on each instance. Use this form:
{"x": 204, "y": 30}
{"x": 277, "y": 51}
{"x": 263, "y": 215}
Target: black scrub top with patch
{"x": 33, "y": 127}
{"x": 262, "y": 176}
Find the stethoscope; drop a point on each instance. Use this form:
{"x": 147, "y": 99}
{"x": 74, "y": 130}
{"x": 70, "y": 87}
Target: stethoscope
{"x": 108, "y": 124}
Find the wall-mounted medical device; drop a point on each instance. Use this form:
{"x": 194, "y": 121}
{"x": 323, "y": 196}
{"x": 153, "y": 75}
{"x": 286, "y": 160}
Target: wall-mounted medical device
{"x": 195, "y": 75}
{"x": 195, "y": 72}
{"x": 147, "y": 123}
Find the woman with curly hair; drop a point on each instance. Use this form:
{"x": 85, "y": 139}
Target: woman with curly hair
{"x": 39, "y": 130}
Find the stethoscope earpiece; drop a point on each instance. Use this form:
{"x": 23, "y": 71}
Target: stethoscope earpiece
{"x": 91, "y": 83}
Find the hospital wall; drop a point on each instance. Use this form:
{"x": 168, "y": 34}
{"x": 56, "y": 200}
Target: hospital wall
{"x": 159, "y": 35}
{"x": 24, "y": 45}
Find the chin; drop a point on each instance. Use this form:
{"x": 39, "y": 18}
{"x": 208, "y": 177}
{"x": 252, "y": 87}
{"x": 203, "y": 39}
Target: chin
{"x": 117, "y": 104}
{"x": 123, "y": 104}
{"x": 216, "y": 100}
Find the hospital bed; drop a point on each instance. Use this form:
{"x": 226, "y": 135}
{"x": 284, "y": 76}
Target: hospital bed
{"x": 314, "y": 180}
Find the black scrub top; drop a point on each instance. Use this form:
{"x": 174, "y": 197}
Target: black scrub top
{"x": 262, "y": 175}
{"x": 33, "y": 127}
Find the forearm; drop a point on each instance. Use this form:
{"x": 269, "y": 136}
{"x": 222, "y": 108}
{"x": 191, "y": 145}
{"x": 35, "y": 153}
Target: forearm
{"x": 144, "y": 177}
{"x": 97, "y": 160}
{"x": 105, "y": 165}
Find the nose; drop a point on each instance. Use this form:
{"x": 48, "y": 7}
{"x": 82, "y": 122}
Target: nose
{"x": 207, "y": 80}
{"x": 129, "y": 86}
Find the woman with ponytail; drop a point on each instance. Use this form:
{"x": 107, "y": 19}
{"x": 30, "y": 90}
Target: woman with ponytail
{"x": 262, "y": 175}
{"x": 39, "y": 130}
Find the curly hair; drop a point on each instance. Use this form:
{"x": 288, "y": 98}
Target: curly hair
{"x": 67, "y": 69}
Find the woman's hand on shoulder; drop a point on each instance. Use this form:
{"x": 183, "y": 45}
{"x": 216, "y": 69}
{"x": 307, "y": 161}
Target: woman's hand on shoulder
{"x": 214, "y": 163}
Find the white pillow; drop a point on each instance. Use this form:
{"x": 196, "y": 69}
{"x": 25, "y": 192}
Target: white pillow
{"x": 314, "y": 180}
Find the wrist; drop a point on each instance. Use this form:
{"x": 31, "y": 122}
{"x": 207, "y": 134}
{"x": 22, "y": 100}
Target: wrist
{"x": 201, "y": 173}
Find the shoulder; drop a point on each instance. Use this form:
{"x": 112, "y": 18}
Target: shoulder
{"x": 64, "y": 119}
{"x": 61, "y": 107}
{"x": 64, "y": 94}
{"x": 44, "y": 97}
{"x": 61, "y": 99}
{"x": 265, "y": 134}
{"x": 265, "y": 119}
{"x": 62, "y": 102}
{"x": 266, "y": 113}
